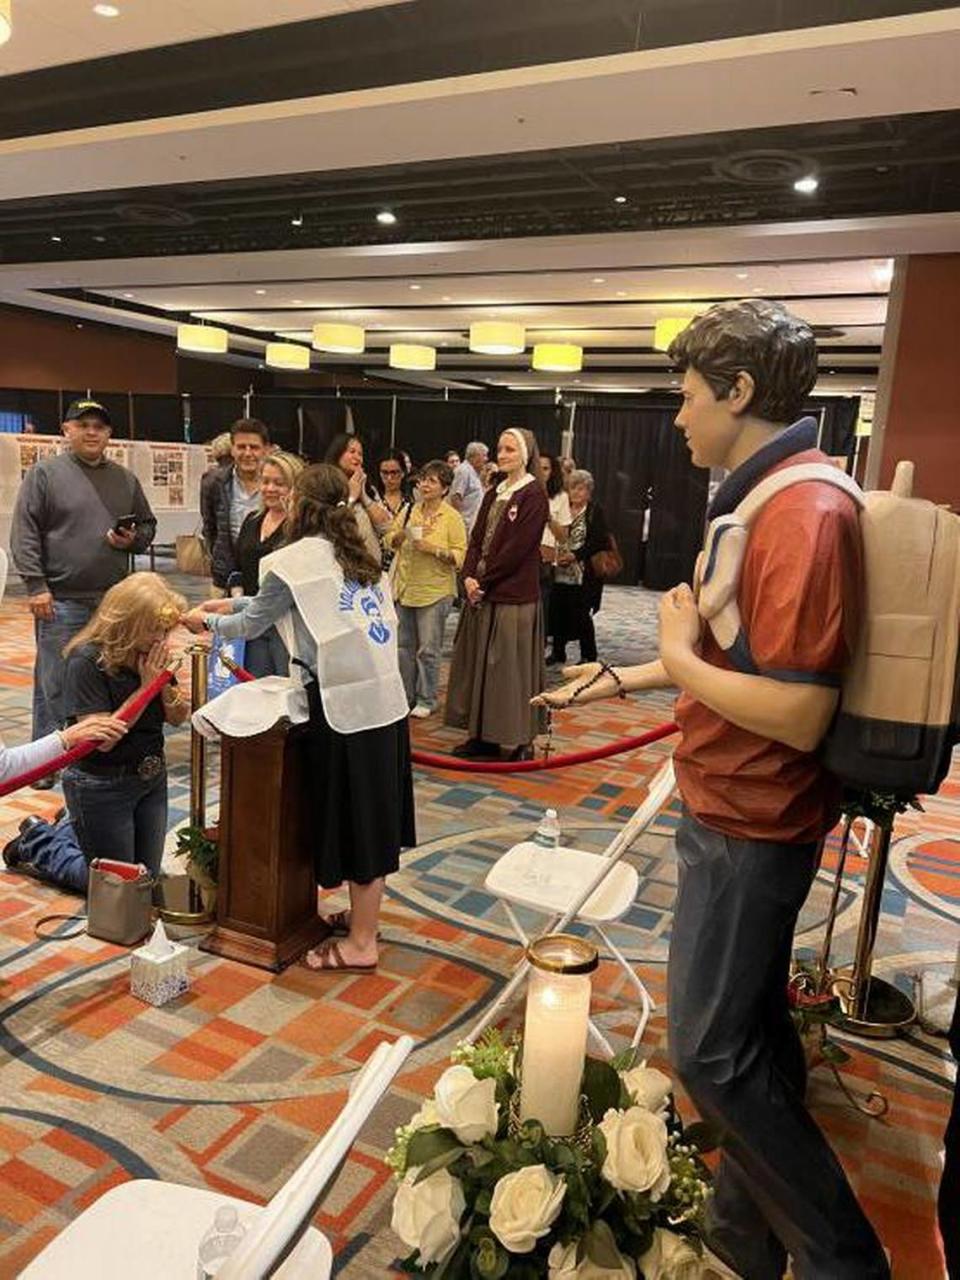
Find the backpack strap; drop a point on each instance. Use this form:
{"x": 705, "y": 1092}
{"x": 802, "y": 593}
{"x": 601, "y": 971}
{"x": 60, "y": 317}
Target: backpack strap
{"x": 721, "y": 561}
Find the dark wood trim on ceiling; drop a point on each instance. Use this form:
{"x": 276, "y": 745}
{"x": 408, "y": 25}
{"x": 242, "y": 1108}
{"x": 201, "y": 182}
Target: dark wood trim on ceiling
{"x": 404, "y": 43}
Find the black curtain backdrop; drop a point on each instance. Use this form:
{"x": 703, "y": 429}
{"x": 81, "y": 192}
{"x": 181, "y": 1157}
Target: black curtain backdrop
{"x": 157, "y": 417}
{"x": 430, "y": 428}
{"x": 839, "y": 422}
{"x": 638, "y": 459}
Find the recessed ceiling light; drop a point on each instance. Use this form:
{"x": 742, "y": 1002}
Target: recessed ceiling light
{"x": 416, "y": 286}
{"x": 743, "y": 275}
{"x": 57, "y": 239}
{"x": 386, "y": 218}
{"x": 106, "y": 11}
{"x": 445, "y": 298}
{"x": 296, "y": 302}
{"x": 260, "y": 291}
{"x": 807, "y": 185}
{"x": 599, "y": 280}
{"x": 619, "y": 199}
{"x": 128, "y": 295}
{"x": 297, "y": 221}
{"x": 758, "y": 288}
{"x": 621, "y": 293}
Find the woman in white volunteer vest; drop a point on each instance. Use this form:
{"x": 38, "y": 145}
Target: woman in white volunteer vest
{"x": 327, "y": 597}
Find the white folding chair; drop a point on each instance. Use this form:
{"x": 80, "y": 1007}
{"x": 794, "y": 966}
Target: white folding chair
{"x": 569, "y": 885}
{"x": 152, "y": 1229}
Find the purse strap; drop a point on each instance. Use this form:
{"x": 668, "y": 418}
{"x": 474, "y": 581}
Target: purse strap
{"x": 59, "y": 937}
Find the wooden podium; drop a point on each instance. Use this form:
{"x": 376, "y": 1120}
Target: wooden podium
{"x": 267, "y": 887}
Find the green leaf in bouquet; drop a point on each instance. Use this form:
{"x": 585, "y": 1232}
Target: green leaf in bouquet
{"x": 489, "y": 1260}
{"x": 457, "y": 1266}
{"x": 427, "y": 1144}
{"x": 601, "y": 1085}
{"x": 441, "y": 1161}
{"x": 531, "y": 1134}
{"x": 483, "y": 1201}
{"x": 704, "y": 1135}
{"x": 600, "y": 1247}
{"x": 638, "y": 1209}
{"x": 626, "y": 1060}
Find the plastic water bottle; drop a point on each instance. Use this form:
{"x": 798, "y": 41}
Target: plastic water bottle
{"x": 219, "y": 1241}
{"x": 548, "y": 832}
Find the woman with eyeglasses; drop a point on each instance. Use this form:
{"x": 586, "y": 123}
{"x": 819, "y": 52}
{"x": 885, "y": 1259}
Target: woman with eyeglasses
{"x": 430, "y": 546}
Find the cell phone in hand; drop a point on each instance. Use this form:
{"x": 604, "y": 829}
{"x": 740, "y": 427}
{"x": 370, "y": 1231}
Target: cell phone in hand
{"x": 124, "y": 524}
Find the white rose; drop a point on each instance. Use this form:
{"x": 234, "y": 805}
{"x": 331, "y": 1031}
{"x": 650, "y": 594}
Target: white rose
{"x": 670, "y": 1257}
{"x": 647, "y": 1086}
{"x": 636, "y": 1158}
{"x": 467, "y": 1105}
{"x": 562, "y": 1264}
{"x": 426, "y": 1115}
{"x": 426, "y": 1217}
{"x": 525, "y": 1206}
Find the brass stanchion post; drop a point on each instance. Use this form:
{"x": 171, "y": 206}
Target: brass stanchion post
{"x": 871, "y": 1006}
{"x": 198, "y": 745}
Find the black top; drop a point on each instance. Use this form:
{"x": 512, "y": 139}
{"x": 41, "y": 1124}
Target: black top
{"x": 89, "y": 689}
{"x": 249, "y": 549}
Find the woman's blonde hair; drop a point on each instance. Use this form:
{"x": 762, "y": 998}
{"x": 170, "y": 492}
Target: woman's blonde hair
{"x": 128, "y": 618}
{"x": 289, "y": 466}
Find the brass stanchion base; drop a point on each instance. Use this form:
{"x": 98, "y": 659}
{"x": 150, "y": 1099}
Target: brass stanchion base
{"x": 887, "y": 1012}
{"x": 178, "y": 901}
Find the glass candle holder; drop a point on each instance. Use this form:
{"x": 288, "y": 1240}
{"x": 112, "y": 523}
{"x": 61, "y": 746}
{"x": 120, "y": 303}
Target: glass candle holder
{"x": 555, "y": 1031}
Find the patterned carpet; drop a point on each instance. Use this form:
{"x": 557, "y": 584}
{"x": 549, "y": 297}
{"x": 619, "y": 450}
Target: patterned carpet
{"x": 229, "y": 1086}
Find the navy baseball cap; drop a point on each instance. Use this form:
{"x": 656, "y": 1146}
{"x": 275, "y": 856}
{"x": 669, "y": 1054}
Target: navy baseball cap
{"x": 86, "y": 409}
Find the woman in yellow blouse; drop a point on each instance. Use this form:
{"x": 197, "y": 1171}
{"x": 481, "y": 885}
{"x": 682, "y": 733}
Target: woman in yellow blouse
{"x": 430, "y": 540}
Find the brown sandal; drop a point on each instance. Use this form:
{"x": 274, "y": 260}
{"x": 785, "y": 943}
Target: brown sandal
{"x": 327, "y": 958}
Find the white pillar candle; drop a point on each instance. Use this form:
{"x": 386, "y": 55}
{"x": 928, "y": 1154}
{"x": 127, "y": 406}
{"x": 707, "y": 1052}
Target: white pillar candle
{"x": 555, "y": 1032}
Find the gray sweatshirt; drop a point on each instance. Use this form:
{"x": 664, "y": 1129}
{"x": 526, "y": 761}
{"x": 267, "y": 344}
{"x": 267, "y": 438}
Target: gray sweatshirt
{"x": 64, "y": 509}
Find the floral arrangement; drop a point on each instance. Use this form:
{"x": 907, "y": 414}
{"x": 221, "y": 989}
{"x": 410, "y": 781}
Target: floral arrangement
{"x": 482, "y": 1195}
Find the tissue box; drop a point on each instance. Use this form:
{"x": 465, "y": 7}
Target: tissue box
{"x": 157, "y": 979}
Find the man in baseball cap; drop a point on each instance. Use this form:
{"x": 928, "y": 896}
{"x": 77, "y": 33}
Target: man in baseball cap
{"x": 77, "y": 518}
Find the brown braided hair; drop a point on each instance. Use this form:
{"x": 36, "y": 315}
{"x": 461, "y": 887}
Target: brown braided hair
{"x": 319, "y": 506}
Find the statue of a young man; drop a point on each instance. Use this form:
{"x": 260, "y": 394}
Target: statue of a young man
{"x": 757, "y": 803}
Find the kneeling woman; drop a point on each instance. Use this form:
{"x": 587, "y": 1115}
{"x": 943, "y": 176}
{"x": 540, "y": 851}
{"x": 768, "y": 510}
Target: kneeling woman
{"x": 326, "y": 594}
{"x": 116, "y": 798}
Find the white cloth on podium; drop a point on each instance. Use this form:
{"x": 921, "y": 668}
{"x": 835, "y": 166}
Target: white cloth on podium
{"x": 355, "y": 631}
{"x": 254, "y": 707}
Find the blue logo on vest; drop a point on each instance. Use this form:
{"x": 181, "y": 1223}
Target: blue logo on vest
{"x": 369, "y": 600}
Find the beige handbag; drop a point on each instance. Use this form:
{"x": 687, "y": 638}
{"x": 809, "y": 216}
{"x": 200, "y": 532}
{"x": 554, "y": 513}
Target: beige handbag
{"x": 192, "y": 555}
{"x": 118, "y": 908}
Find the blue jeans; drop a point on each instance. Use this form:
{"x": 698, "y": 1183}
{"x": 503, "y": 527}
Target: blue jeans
{"x": 69, "y": 616}
{"x": 779, "y": 1187}
{"x": 53, "y": 850}
{"x": 420, "y": 642}
{"x": 123, "y": 818}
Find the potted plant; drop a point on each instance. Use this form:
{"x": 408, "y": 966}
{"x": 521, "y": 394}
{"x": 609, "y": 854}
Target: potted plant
{"x": 201, "y": 853}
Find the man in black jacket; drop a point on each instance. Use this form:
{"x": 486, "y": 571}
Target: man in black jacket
{"x": 69, "y": 548}
{"x": 237, "y": 491}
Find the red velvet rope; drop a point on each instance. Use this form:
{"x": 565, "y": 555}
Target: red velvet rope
{"x": 129, "y": 712}
{"x": 549, "y": 762}
{"x": 454, "y": 765}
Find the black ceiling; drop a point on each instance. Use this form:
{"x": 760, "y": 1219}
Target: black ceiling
{"x": 424, "y": 40}
{"x": 900, "y": 165}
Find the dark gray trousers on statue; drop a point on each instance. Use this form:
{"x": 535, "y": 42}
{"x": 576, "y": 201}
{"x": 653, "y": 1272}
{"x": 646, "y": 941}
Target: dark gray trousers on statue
{"x": 779, "y": 1189}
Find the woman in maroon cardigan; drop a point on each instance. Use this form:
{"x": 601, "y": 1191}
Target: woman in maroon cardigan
{"x": 498, "y": 653}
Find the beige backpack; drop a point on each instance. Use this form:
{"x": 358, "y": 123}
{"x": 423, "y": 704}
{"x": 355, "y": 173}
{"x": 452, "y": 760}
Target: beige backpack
{"x": 899, "y": 710}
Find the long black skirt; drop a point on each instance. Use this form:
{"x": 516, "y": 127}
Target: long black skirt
{"x": 361, "y": 798}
